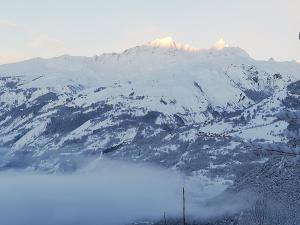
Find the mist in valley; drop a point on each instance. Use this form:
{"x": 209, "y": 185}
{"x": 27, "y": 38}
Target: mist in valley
{"x": 111, "y": 193}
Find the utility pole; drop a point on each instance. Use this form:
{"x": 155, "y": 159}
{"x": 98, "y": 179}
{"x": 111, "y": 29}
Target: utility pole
{"x": 183, "y": 207}
{"x": 165, "y": 220}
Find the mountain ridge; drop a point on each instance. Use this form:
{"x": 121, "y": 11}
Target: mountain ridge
{"x": 163, "y": 100}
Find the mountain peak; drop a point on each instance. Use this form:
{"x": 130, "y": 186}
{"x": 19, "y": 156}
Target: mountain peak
{"x": 220, "y": 44}
{"x": 170, "y": 43}
{"x": 166, "y": 42}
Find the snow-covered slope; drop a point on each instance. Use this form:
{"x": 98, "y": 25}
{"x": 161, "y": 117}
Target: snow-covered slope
{"x": 152, "y": 102}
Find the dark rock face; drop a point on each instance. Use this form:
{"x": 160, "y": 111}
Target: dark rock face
{"x": 294, "y": 88}
{"x": 291, "y": 114}
{"x": 293, "y": 96}
{"x": 258, "y": 96}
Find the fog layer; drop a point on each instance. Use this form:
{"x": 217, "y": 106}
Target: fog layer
{"x": 109, "y": 193}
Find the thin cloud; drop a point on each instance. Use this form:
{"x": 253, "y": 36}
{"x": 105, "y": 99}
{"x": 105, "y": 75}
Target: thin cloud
{"x": 16, "y": 26}
{"x": 7, "y": 23}
{"x": 11, "y": 57}
{"x": 40, "y": 45}
{"x": 44, "y": 41}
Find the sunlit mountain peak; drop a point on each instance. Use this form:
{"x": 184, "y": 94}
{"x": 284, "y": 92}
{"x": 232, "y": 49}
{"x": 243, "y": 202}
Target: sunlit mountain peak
{"x": 169, "y": 42}
{"x": 220, "y": 44}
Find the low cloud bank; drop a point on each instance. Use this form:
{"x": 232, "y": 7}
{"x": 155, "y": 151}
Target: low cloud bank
{"x": 108, "y": 193}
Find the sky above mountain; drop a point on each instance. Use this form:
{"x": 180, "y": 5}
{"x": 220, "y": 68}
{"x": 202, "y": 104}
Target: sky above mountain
{"x": 34, "y": 28}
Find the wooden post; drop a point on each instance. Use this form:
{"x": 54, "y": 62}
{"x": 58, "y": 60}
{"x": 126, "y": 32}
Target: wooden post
{"x": 183, "y": 206}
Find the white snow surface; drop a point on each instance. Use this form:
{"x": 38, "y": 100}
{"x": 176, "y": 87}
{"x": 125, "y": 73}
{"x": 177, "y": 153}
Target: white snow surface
{"x": 162, "y": 71}
{"x": 162, "y": 76}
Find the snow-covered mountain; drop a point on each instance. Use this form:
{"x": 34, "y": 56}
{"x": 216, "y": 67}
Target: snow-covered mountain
{"x": 163, "y": 102}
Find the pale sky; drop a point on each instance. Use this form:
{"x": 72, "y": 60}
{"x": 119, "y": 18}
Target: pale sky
{"x": 46, "y": 28}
